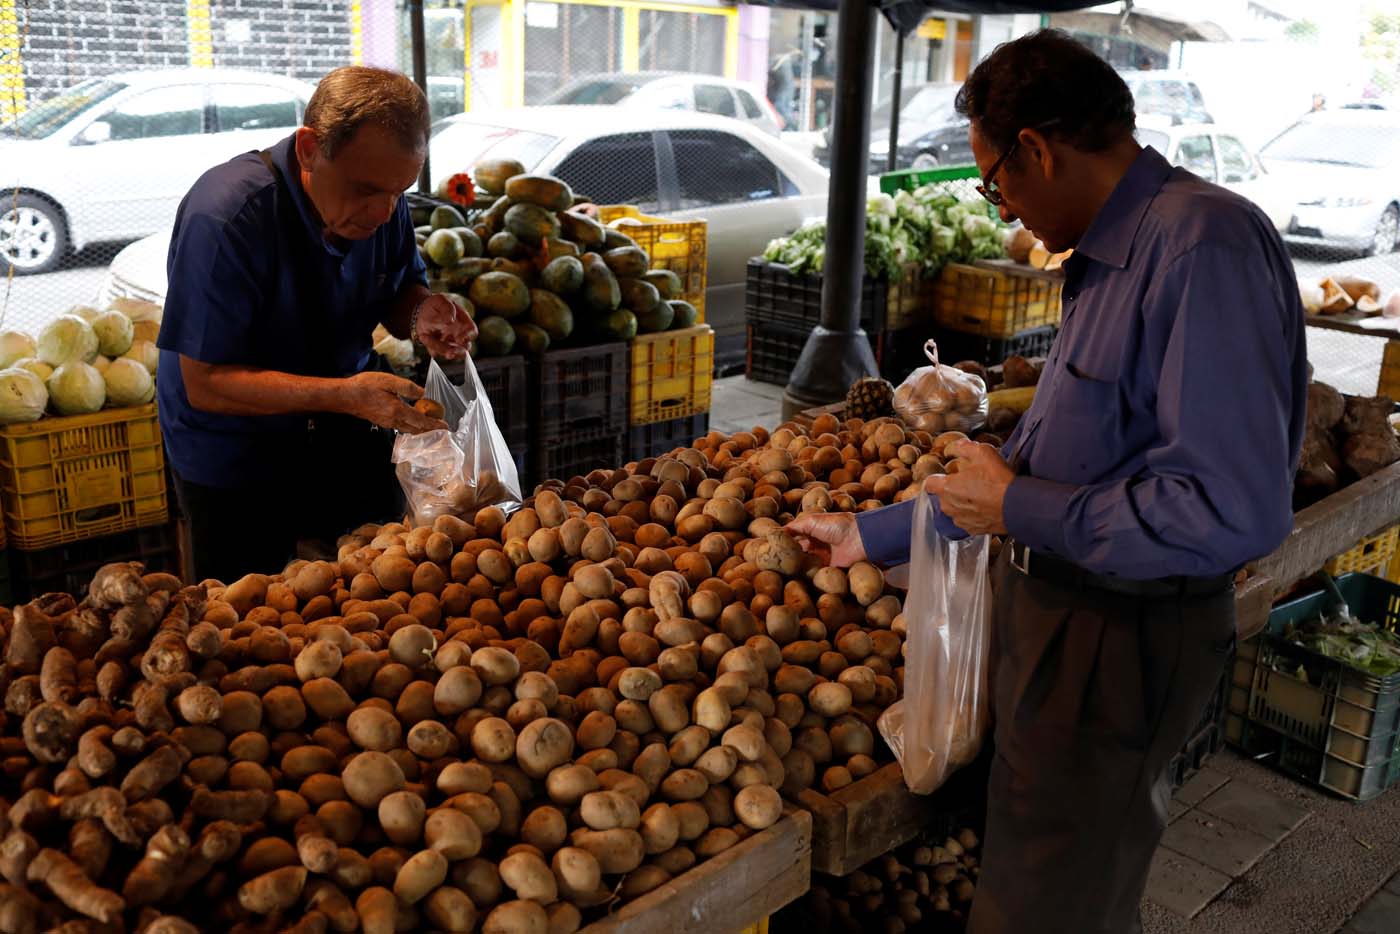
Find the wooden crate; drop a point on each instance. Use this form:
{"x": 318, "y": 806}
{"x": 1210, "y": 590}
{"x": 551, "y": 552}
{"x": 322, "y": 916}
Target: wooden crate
{"x": 738, "y": 888}
{"x": 864, "y": 820}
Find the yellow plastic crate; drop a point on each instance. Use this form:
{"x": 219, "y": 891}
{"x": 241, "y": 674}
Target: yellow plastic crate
{"x": 679, "y": 246}
{"x": 673, "y": 373}
{"x": 759, "y": 928}
{"x": 1389, "y": 383}
{"x": 996, "y": 299}
{"x": 68, "y": 479}
{"x": 1374, "y": 555}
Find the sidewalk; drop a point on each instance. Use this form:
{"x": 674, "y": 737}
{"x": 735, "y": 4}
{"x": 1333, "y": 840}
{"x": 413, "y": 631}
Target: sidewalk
{"x": 738, "y": 404}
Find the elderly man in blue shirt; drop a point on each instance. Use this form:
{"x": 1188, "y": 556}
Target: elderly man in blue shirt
{"x": 281, "y": 265}
{"x": 1157, "y": 459}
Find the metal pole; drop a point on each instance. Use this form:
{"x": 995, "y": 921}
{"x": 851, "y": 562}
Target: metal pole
{"x": 420, "y": 75}
{"x": 892, "y": 161}
{"x": 837, "y": 351}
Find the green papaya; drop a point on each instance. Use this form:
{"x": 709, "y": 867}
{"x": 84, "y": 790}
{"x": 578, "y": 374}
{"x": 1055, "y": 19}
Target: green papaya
{"x": 685, "y": 315}
{"x": 551, "y": 314}
{"x": 471, "y": 243}
{"x": 583, "y": 230}
{"x": 557, "y": 248}
{"x": 495, "y": 217}
{"x": 460, "y": 274}
{"x": 445, "y": 248}
{"x": 532, "y": 338}
{"x": 444, "y": 216}
{"x": 420, "y": 214}
{"x": 543, "y": 190}
{"x": 423, "y": 230}
{"x": 620, "y": 325}
{"x": 495, "y": 337}
{"x": 638, "y": 295}
{"x": 666, "y": 282}
{"x": 626, "y": 262}
{"x": 531, "y": 223}
{"x": 491, "y": 175}
{"x": 500, "y": 293}
{"x": 516, "y": 267}
{"x": 600, "y": 290}
{"x": 657, "y": 318}
{"x": 563, "y": 275}
{"x": 505, "y": 244}
{"x": 616, "y": 240}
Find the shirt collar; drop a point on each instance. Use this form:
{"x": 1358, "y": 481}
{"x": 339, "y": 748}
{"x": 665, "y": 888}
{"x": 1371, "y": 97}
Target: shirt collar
{"x": 1109, "y": 239}
{"x": 284, "y": 158}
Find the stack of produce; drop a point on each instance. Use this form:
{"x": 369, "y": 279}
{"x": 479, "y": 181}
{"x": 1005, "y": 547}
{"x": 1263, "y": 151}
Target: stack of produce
{"x": 82, "y": 361}
{"x": 1348, "y": 438}
{"x": 516, "y": 722}
{"x": 920, "y": 886}
{"x": 1343, "y": 294}
{"x": 534, "y": 272}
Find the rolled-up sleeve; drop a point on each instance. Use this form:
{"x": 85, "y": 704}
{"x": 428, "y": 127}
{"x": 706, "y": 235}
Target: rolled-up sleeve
{"x": 1216, "y": 490}
{"x": 214, "y": 288}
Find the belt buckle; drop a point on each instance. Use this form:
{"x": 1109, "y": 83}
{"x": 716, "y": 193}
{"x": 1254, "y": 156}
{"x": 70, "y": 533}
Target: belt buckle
{"x": 1025, "y": 563}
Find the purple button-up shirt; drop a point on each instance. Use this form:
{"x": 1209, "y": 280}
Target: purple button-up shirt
{"x": 1168, "y": 422}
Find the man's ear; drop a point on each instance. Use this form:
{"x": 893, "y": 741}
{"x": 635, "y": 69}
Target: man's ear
{"x": 1039, "y": 152}
{"x": 308, "y": 147}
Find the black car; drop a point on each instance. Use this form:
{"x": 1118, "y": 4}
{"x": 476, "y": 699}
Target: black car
{"x": 931, "y": 132}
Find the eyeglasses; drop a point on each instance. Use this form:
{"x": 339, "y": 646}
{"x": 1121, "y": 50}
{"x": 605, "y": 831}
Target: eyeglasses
{"x": 988, "y": 189}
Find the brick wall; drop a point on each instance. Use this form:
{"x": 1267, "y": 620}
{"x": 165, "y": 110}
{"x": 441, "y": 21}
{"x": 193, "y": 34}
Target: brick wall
{"x": 71, "y": 40}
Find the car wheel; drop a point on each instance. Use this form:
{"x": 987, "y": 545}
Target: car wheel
{"x": 925, "y": 160}
{"x": 33, "y": 236}
{"x": 1387, "y": 234}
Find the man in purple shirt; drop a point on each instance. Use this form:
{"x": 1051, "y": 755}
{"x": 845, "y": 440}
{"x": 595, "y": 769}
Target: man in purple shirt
{"x": 1157, "y": 459}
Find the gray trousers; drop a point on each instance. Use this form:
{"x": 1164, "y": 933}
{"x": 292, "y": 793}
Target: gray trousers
{"x": 1092, "y": 695}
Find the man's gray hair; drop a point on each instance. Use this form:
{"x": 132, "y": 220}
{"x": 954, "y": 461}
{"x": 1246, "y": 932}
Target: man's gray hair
{"x": 350, "y": 97}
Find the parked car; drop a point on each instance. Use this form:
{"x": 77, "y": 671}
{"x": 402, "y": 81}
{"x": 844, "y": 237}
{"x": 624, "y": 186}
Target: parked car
{"x": 1343, "y": 170}
{"x": 110, "y": 158}
{"x": 745, "y": 184}
{"x": 1218, "y": 156}
{"x": 931, "y": 132}
{"x": 667, "y": 90}
{"x": 1169, "y": 94}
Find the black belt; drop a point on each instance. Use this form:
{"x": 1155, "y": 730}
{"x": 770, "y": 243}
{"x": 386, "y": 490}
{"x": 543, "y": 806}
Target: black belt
{"x": 1048, "y": 567}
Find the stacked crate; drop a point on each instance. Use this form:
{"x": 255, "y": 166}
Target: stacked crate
{"x": 579, "y": 399}
{"x": 672, "y": 379}
{"x": 993, "y": 309}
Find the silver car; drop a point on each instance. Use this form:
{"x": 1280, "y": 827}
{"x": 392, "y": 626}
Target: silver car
{"x": 110, "y": 158}
{"x": 1343, "y": 169}
{"x": 704, "y": 94}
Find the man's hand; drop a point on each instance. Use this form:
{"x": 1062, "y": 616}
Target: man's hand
{"x": 378, "y": 398}
{"x": 829, "y": 531}
{"x": 973, "y": 496}
{"x": 444, "y": 327}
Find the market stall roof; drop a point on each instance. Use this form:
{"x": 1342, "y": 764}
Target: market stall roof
{"x": 907, "y": 14}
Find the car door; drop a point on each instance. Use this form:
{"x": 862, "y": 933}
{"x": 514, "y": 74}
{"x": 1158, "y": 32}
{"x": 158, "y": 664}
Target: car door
{"x": 1196, "y": 154}
{"x": 250, "y": 117}
{"x": 754, "y": 112}
{"x": 135, "y": 171}
{"x": 619, "y": 168}
{"x": 1241, "y": 173}
{"x": 715, "y": 99}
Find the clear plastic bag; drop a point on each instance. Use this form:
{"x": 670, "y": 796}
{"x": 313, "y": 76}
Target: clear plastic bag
{"x": 939, "y": 725}
{"x": 462, "y": 469}
{"x": 941, "y": 398}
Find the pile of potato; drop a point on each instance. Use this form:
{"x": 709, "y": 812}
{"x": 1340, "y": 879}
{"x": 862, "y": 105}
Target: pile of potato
{"x": 510, "y": 725}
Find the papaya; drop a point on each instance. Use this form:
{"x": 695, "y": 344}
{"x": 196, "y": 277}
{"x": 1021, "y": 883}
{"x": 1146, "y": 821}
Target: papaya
{"x": 445, "y": 248}
{"x": 638, "y": 295}
{"x": 461, "y": 273}
{"x": 462, "y": 302}
{"x": 494, "y": 218}
{"x": 626, "y": 262}
{"x": 532, "y": 339}
{"x": 666, "y": 282}
{"x": 519, "y": 268}
{"x": 563, "y": 275}
{"x": 600, "y": 290}
{"x": 657, "y": 318}
{"x": 551, "y": 314}
{"x": 620, "y": 325}
{"x": 471, "y": 243}
{"x": 582, "y": 229}
{"x": 495, "y": 337}
{"x": 444, "y": 216}
{"x": 543, "y": 190}
{"x": 531, "y": 223}
{"x": 491, "y": 175}
{"x": 557, "y": 248}
{"x": 420, "y": 215}
{"x": 505, "y": 244}
{"x": 684, "y": 315}
{"x": 423, "y": 230}
{"x": 500, "y": 293}
{"x": 616, "y": 240}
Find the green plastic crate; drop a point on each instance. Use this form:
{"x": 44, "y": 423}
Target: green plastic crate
{"x": 909, "y": 179}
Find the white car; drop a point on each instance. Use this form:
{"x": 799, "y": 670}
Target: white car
{"x": 1343, "y": 169}
{"x": 745, "y": 184}
{"x": 667, "y": 90}
{"x": 110, "y": 158}
{"x": 1217, "y": 155}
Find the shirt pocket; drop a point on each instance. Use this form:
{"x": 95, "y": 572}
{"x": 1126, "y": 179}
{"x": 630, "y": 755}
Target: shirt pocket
{"x": 1081, "y": 440}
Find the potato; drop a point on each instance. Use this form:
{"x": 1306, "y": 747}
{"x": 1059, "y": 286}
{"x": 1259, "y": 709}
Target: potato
{"x": 542, "y": 745}
{"x": 412, "y": 645}
{"x": 746, "y": 741}
{"x": 495, "y": 665}
{"x": 493, "y": 740}
{"x": 567, "y": 784}
{"x": 606, "y": 810}
{"x": 684, "y": 785}
{"x": 519, "y": 917}
{"x": 452, "y": 833}
{"x": 717, "y": 763}
{"x": 420, "y": 874}
{"x": 529, "y": 877}
{"x": 758, "y": 806}
{"x": 867, "y": 582}
{"x": 595, "y": 582}
{"x": 712, "y": 710}
{"x": 831, "y": 699}
{"x": 617, "y": 851}
{"x": 450, "y": 909}
{"x": 393, "y": 573}
{"x": 638, "y": 684}
{"x": 576, "y": 871}
{"x": 369, "y": 776}
{"x": 401, "y": 817}
{"x": 715, "y": 841}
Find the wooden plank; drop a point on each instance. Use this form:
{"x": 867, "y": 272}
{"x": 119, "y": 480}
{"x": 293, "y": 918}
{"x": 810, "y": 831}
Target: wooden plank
{"x": 739, "y": 887}
{"x": 1331, "y": 526}
{"x": 1253, "y": 600}
{"x": 864, "y": 820}
{"x": 1350, "y": 324}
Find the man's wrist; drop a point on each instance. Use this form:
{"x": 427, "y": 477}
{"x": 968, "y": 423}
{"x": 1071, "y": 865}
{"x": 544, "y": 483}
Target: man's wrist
{"x": 413, "y": 319}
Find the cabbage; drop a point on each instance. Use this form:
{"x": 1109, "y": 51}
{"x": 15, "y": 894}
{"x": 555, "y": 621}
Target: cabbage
{"x": 129, "y": 383}
{"x": 77, "y": 388}
{"x": 36, "y": 366}
{"x": 114, "y": 332}
{"x": 86, "y": 312}
{"x": 101, "y": 362}
{"x": 66, "y": 338}
{"x": 15, "y": 345}
{"x": 144, "y": 353}
{"x": 22, "y": 396}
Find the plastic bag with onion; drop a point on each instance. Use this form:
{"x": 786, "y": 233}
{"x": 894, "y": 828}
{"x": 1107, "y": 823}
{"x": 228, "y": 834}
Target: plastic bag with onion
{"x": 939, "y": 397}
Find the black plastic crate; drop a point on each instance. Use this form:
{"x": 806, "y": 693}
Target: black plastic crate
{"x": 506, "y": 387}
{"x": 956, "y": 346}
{"x": 658, "y": 438}
{"x": 575, "y": 455}
{"x": 1208, "y": 736}
{"x": 68, "y": 568}
{"x": 584, "y": 390}
{"x": 774, "y": 294}
{"x": 773, "y": 351}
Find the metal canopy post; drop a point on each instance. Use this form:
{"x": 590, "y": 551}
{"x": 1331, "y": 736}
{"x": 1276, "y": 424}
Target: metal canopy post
{"x": 892, "y": 160}
{"x": 420, "y": 75}
{"x": 837, "y": 351}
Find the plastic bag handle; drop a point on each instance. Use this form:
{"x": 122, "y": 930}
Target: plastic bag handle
{"x": 931, "y": 351}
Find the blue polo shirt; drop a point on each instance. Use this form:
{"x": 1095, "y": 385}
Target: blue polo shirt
{"x": 253, "y": 282}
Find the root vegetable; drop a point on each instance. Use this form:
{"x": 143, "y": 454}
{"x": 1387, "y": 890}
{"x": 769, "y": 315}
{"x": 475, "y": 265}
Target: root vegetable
{"x": 70, "y": 885}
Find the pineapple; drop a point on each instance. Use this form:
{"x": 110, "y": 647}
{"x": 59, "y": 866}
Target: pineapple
{"x": 870, "y": 397}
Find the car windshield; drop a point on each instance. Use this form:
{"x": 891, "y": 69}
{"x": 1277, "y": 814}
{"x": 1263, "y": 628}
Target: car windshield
{"x": 469, "y": 143}
{"x": 930, "y": 103}
{"x": 592, "y": 93}
{"x": 48, "y": 116}
{"x": 1368, "y": 146}
{"x": 1154, "y": 138}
